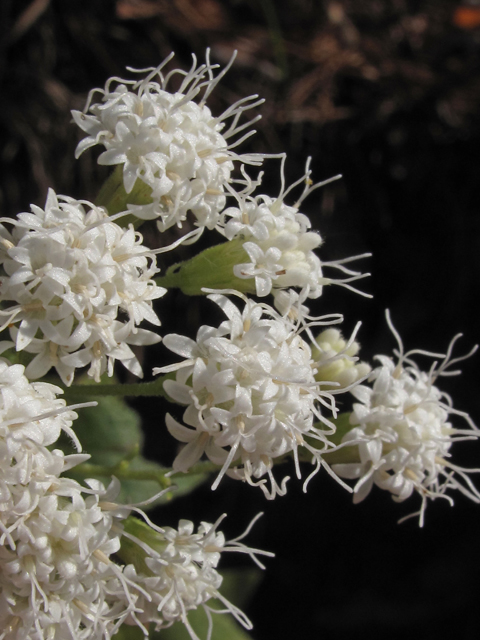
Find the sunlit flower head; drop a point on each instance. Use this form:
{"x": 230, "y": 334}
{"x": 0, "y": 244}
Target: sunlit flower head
{"x": 251, "y": 395}
{"x": 278, "y": 240}
{"x": 168, "y": 138}
{"x": 78, "y": 286}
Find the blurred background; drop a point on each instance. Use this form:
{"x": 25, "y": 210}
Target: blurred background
{"x": 385, "y": 93}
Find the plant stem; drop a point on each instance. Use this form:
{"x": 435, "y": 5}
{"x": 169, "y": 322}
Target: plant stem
{"x": 154, "y": 388}
{"x": 121, "y": 471}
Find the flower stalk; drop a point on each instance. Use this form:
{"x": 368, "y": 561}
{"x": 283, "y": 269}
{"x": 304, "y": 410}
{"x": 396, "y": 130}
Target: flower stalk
{"x": 134, "y": 389}
{"x": 122, "y": 471}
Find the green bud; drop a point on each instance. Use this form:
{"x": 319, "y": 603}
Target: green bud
{"x": 212, "y": 269}
{"x": 130, "y": 552}
{"x": 344, "y": 455}
{"x": 115, "y": 199}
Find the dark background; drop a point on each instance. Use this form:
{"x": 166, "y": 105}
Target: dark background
{"x": 386, "y": 93}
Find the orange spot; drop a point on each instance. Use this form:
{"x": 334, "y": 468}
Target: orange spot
{"x": 466, "y": 17}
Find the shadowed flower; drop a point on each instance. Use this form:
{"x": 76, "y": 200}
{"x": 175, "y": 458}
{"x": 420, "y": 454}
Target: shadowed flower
{"x": 403, "y": 425}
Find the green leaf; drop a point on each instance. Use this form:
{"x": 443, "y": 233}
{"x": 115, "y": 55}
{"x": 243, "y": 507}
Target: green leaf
{"x": 111, "y": 434}
{"x": 126, "y": 632}
{"x": 224, "y": 628}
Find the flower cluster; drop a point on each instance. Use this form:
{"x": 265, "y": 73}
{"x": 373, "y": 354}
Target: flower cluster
{"x": 279, "y": 243}
{"x": 55, "y": 574}
{"x": 70, "y": 271}
{"x": 178, "y": 571}
{"x": 75, "y": 286}
{"x": 168, "y": 141}
{"x": 251, "y": 395}
{"x": 57, "y": 578}
{"x": 402, "y": 424}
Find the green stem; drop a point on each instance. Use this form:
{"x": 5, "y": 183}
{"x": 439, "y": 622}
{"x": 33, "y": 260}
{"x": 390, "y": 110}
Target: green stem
{"x": 121, "y": 471}
{"x": 205, "y": 466}
{"x": 154, "y": 388}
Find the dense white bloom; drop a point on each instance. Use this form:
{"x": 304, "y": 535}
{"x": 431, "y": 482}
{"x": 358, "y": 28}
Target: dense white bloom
{"x": 179, "y": 573}
{"x": 251, "y": 394}
{"x": 31, "y": 420}
{"x": 167, "y": 140}
{"x": 280, "y": 245}
{"x": 81, "y": 284}
{"x": 56, "y": 579}
{"x": 403, "y": 425}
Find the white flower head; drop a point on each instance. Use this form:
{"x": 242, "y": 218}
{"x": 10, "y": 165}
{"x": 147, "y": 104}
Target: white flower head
{"x": 56, "y": 537}
{"x": 179, "y": 573}
{"x": 31, "y": 420}
{"x": 251, "y": 394}
{"x": 81, "y": 285}
{"x": 402, "y": 427}
{"x": 170, "y": 141}
{"x": 280, "y": 244}
{"x": 56, "y": 577}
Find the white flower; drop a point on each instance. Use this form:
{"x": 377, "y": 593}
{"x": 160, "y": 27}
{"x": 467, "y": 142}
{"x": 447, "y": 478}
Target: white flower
{"x": 56, "y": 537}
{"x": 402, "y": 424}
{"x": 251, "y": 395}
{"x": 280, "y": 245}
{"x": 57, "y": 580}
{"x": 168, "y": 140}
{"x": 179, "y": 573}
{"x": 31, "y": 420}
{"x": 290, "y": 303}
{"x": 72, "y": 274}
